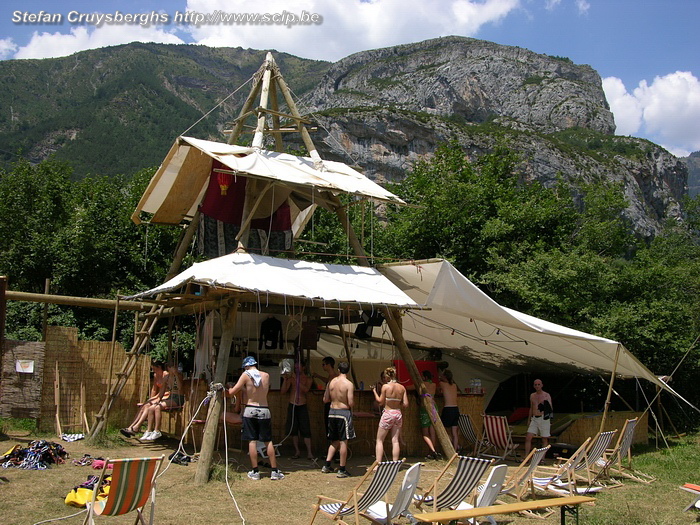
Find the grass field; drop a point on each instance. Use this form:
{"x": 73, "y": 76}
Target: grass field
{"x": 31, "y": 496}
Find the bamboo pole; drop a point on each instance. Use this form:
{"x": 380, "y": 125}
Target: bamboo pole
{"x": 211, "y": 427}
{"x": 610, "y": 389}
{"x": 68, "y": 300}
{"x": 264, "y": 96}
{"x": 45, "y": 313}
{"x": 57, "y": 399}
{"x": 108, "y": 394}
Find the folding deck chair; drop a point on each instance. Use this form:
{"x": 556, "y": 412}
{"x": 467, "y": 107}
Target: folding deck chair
{"x": 133, "y": 482}
{"x": 466, "y": 478}
{"x": 611, "y": 464}
{"x": 488, "y": 492}
{"x": 561, "y": 480}
{"x": 384, "y": 513}
{"x": 585, "y": 469}
{"x": 498, "y": 437}
{"x": 695, "y": 490}
{"x": 357, "y": 502}
{"x": 466, "y": 426}
{"x": 520, "y": 481}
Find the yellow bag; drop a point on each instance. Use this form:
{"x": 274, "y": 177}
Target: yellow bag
{"x": 79, "y": 496}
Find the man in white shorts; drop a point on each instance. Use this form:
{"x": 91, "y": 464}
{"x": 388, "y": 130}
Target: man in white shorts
{"x": 541, "y": 412}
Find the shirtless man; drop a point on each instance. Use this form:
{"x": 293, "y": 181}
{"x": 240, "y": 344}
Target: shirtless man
{"x": 540, "y": 416}
{"x": 257, "y": 424}
{"x": 450, "y": 411}
{"x": 298, "y": 384}
{"x": 328, "y": 365}
{"x": 340, "y": 393}
{"x": 392, "y": 398}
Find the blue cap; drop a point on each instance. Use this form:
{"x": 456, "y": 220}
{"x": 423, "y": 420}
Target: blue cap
{"x": 249, "y": 361}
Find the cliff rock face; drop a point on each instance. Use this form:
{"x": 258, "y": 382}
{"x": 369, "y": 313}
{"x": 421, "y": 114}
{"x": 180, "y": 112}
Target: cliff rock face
{"x": 470, "y": 79}
{"x": 693, "y": 163}
{"x": 385, "y": 109}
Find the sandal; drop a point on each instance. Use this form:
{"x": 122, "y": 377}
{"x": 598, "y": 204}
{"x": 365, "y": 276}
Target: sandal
{"x": 126, "y": 432}
{"x": 295, "y": 456}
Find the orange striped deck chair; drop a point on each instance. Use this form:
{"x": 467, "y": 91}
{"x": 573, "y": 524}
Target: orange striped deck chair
{"x": 133, "y": 482}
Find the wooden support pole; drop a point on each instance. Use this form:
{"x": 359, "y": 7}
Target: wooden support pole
{"x": 264, "y": 95}
{"x": 211, "y": 427}
{"x": 110, "y": 375}
{"x": 610, "y": 390}
{"x": 392, "y": 317}
{"x": 3, "y": 310}
{"x": 57, "y": 399}
{"x": 247, "y": 106}
{"x": 45, "y": 313}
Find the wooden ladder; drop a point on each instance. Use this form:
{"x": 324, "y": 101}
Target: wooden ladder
{"x": 141, "y": 339}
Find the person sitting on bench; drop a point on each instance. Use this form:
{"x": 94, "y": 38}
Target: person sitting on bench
{"x": 158, "y": 393}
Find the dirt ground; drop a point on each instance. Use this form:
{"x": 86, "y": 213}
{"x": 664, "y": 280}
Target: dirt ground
{"x": 32, "y": 496}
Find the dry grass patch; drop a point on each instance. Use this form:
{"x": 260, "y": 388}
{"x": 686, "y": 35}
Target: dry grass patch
{"x": 28, "y": 497}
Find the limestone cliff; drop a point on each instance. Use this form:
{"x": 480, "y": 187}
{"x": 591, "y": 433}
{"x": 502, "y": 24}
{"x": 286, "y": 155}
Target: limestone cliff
{"x": 385, "y": 109}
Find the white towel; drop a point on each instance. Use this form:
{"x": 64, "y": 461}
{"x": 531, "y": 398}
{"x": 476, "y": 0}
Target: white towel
{"x": 255, "y": 376}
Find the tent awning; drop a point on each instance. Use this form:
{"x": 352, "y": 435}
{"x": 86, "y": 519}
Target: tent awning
{"x": 328, "y": 285}
{"x": 180, "y": 183}
{"x": 464, "y": 320}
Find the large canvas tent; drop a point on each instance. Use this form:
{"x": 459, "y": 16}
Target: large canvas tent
{"x": 498, "y": 342}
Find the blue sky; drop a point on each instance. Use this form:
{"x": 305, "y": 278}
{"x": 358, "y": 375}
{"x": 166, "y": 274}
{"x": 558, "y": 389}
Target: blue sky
{"x": 646, "y": 51}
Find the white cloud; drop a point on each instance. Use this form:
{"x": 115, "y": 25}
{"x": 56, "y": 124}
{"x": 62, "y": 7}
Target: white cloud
{"x": 7, "y": 48}
{"x": 583, "y": 6}
{"x": 667, "y": 111}
{"x": 44, "y": 45}
{"x": 626, "y": 108}
{"x": 348, "y": 26}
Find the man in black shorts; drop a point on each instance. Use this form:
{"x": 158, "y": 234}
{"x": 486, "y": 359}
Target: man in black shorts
{"x": 340, "y": 393}
{"x": 257, "y": 424}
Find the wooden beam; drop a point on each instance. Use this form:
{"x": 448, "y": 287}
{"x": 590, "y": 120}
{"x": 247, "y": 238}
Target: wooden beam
{"x": 392, "y": 317}
{"x": 75, "y": 301}
{"x": 211, "y": 427}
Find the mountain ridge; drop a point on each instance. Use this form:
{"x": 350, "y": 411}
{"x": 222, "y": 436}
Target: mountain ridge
{"x": 118, "y": 109}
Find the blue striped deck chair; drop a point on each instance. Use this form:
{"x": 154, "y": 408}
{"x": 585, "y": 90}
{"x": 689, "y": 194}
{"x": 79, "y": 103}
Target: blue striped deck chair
{"x": 466, "y": 478}
{"x": 357, "y": 502}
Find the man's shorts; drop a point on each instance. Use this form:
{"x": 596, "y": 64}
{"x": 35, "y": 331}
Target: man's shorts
{"x": 450, "y": 416}
{"x": 298, "y": 420}
{"x": 257, "y": 424}
{"x": 540, "y": 426}
{"x": 340, "y": 425}
{"x": 391, "y": 418}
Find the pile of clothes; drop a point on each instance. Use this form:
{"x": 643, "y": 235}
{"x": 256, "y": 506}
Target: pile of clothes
{"x": 38, "y": 455}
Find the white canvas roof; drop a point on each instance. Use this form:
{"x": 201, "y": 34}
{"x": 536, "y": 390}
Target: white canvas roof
{"x": 329, "y": 284}
{"x": 180, "y": 183}
{"x": 463, "y": 320}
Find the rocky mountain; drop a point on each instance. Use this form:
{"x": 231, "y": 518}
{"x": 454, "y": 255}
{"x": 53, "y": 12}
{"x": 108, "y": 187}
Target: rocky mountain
{"x": 385, "y": 109}
{"x": 118, "y": 109}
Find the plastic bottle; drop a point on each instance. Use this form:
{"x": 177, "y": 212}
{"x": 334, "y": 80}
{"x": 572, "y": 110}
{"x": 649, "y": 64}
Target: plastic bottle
{"x": 362, "y": 385}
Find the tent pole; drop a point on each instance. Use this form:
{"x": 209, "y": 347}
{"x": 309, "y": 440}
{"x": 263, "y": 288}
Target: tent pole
{"x": 211, "y": 427}
{"x": 392, "y": 316}
{"x": 610, "y": 390}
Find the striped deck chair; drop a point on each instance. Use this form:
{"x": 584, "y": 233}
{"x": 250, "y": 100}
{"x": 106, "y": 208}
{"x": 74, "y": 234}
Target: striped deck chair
{"x": 611, "y": 464}
{"x": 358, "y": 502}
{"x": 383, "y": 513}
{"x": 133, "y": 482}
{"x": 520, "y": 481}
{"x": 466, "y": 426}
{"x": 585, "y": 470}
{"x": 561, "y": 480}
{"x": 465, "y": 480}
{"x": 487, "y": 493}
{"x": 497, "y": 434}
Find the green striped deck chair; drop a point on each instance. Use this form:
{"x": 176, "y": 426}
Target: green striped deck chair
{"x": 133, "y": 482}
